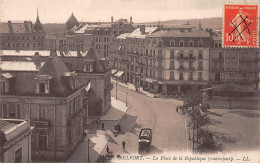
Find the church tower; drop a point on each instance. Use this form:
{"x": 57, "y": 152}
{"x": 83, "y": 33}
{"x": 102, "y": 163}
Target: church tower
{"x": 39, "y": 33}
{"x": 71, "y": 22}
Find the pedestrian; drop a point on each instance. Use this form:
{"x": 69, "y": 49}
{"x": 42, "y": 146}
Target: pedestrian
{"x": 177, "y": 109}
{"x": 103, "y": 126}
{"x": 123, "y": 144}
{"x": 97, "y": 123}
{"x": 107, "y": 149}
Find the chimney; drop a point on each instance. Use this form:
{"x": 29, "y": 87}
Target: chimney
{"x": 131, "y": 20}
{"x": 112, "y": 19}
{"x": 142, "y": 29}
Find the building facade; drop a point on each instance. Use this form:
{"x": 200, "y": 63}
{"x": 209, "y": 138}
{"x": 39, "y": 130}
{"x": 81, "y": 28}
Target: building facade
{"x": 48, "y": 94}
{"x": 99, "y": 75}
{"x": 22, "y": 35}
{"x": 15, "y": 141}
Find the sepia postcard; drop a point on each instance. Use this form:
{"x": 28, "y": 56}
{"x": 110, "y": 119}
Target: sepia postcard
{"x": 129, "y": 81}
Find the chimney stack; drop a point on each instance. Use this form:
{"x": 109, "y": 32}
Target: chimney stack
{"x": 131, "y": 20}
{"x": 112, "y": 19}
{"x": 142, "y": 29}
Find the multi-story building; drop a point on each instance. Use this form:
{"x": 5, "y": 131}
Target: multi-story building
{"x": 121, "y": 26}
{"x": 50, "y": 42}
{"x": 174, "y": 60}
{"x": 99, "y": 75}
{"x": 237, "y": 65}
{"x": 15, "y": 141}
{"x": 22, "y": 35}
{"x": 165, "y": 61}
{"x": 47, "y": 94}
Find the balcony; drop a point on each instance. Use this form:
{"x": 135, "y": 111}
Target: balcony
{"x": 41, "y": 123}
{"x": 192, "y": 58}
{"x": 77, "y": 116}
{"x": 191, "y": 68}
{"x": 182, "y": 58}
{"x": 181, "y": 68}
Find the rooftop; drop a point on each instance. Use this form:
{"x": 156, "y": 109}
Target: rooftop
{"x": 12, "y": 27}
{"x": 122, "y": 36}
{"x": 4, "y": 125}
{"x": 41, "y": 53}
{"x": 18, "y": 66}
{"x": 137, "y": 33}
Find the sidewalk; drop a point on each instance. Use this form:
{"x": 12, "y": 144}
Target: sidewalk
{"x": 97, "y": 145}
{"x": 116, "y": 111}
{"x": 132, "y": 87}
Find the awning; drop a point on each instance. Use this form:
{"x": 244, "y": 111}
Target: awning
{"x": 119, "y": 73}
{"x": 150, "y": 80}
{"x": 7, "y": 75}
{"x": 113, "y": 71}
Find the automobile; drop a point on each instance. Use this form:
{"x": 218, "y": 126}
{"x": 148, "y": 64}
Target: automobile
{"x": 145, "y": 140}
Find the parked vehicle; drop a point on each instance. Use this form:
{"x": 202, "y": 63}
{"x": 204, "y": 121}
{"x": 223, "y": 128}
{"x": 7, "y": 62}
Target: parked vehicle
{"x": 145, "y": 140}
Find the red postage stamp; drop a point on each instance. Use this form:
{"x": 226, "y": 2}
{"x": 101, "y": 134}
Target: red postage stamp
{"x": 240, "y": 26}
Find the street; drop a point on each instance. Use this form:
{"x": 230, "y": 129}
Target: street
{"x": 169, "y": 132}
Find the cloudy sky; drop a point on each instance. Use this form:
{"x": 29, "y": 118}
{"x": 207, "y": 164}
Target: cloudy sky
{"x": 58, "y": 11}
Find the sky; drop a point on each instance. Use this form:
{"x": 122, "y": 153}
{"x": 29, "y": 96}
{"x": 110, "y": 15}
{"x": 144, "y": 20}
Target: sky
{"x": 58, "y": 11}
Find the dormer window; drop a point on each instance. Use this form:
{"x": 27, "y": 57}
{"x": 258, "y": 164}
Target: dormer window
{"x": 5, "y": 82}
{"x": 43, "y": 84}
{"x": 181, "y": 43}
{"x": 88, "y": 68}
{"x": 200, "y": 44}
{"x": 172, "y": 43}
{"x": 41, "y": 87}
{"x": 190, "y": 43}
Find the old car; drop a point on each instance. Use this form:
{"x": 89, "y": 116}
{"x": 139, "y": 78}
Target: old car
{"x": 145, "y": 140}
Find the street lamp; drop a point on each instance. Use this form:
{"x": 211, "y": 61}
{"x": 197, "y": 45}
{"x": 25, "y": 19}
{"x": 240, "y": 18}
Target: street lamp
{"x": 126, "y": 98}
{"x": 189, "y": 130}
{"x": 88, "y": 150}
{"x": 116, "y": 89}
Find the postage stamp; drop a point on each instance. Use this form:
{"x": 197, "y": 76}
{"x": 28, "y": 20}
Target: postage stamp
{"x": 240, "y": 26}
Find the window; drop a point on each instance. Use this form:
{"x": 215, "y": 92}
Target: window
{"x": 18, "y": 111}
{"x": 41, "y": 87}
{"x": 190, "y": 76}
{"x": 22, "y": 37}
{"x": 28, "y": 45}
{"x": 5, "y": 111}
{"x": 200, "y": 65}
{"x": 34, "y": 45}
{"x": 190, "y": 56}
{"x": 181, "y": 56}
{"x": 217, "y": 76}
{"x": 34, "y": 37}
{"x": 11, "y": 111}
{"x": 181, "y": 76}
{"x": 42, "y": 112}
{"x": 200, "y": 56}
{"x": 42, "y": 139}
{"x": 172, "y": 54}
{"x": 88, "y": 68}
{"x": 200, "y": 76}
{"x": 215, "y": 45}
{"x": 18, "y": 155}
{"x": 200, "y": 43}
{"x": 172, "y": 43}
{"x": 2, "y": 86}
{"x": 171, "y": 65}
{"x": 190, "y": 43}
{"x": 181, "y": 43}
{"x": 190, "y": 64}
{"x": 220, "y": 56}
{"x": 219, "y": 45}
{"x": 171, "y": 75}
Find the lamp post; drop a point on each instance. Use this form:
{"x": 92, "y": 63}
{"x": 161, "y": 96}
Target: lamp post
{"x": 189, "y": 130}
{"x": 126, "y": 98}
{"x": 116, "y": 89}
{"x": 88, "y": 150}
